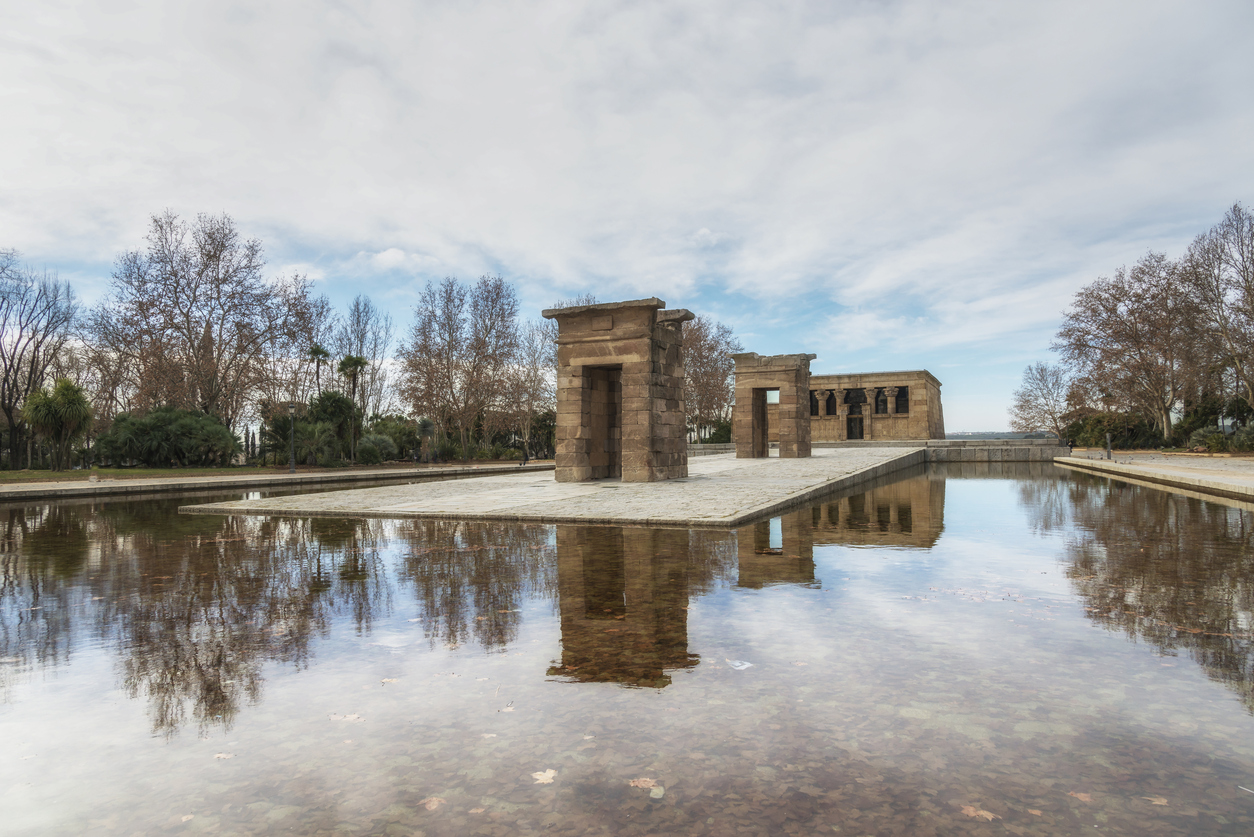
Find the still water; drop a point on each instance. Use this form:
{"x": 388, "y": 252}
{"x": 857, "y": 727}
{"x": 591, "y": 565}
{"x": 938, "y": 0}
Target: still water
{"x": 996, "y": 649}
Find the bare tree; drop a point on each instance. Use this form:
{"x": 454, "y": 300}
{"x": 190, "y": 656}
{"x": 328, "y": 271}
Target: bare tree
{"x": 1219, "y": 271}
{"x": 1041, "y": 400}
{"x": 294, "y": 372}
{"x": 1135, "y": 336}
{"x": 533, "y": 384}
{"x": 456, "y": 365}
{"x": 36, "y": 316}
{"x": 195, "y": 323}
{"x": 708, "y": 372}
{"x": 367, "y": 332}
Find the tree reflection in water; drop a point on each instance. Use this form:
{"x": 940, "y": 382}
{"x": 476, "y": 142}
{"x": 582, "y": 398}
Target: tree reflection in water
{"x": 1171, "y": 570}
{"x": 195, "y": 606}
{"x": 470, "y": 579}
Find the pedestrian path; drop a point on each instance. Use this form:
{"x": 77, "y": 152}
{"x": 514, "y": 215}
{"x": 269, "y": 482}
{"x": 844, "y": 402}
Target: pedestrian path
{"x": 720, "y": 491}
{"x": 1222, "y": 476}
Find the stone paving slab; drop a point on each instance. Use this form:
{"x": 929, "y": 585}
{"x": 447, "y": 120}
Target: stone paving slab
{"x": 1233, "y": 478}
{"x": 720, "y": 491}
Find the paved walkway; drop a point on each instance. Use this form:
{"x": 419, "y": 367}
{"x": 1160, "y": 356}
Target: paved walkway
{"x": 105, "y": 487}
{"x": 1227, "y": 477}
{"x": 720, "y": 491}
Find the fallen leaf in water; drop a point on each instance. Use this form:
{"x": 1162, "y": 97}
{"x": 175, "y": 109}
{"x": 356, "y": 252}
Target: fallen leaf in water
{"x": 1156, "y": 800}
{"x": 489, "y": 735}
{"x": 477, "y": 810}
{"x": 224, "y": 755}
{"x": 545, "y": 778}
{"x": 1034, "y": 812}
{"x": 480, "y": 618}
{"x": 187, "y": 817}
{"x": 643, "y": 782}
{"x": 588, "y": 737}
{"x": 348, "y": 741}
{"x": 432, "y": 802}
{"x": 979, "y": 813}
{"x": 1083, "y": 797}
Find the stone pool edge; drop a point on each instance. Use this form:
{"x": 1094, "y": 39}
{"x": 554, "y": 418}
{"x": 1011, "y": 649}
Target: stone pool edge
{"x": 905, "y": 460}
{"x": 1160, "y": 479}
{"x": 105, "y": 488}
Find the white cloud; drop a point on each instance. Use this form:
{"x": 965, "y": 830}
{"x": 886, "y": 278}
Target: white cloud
{"x": 960, "y": 168}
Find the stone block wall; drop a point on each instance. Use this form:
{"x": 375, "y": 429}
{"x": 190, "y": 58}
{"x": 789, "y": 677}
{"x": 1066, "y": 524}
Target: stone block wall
{"x": 620, "y": 393}
{"x": 755, "y": 376}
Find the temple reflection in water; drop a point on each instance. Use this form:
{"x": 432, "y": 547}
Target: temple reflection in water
{"x": 623, "y": 596}
{"x": 907, "y": 512}
{"x": 623, "y": 592}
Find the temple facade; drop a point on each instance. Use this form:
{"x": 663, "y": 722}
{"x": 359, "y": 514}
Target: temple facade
{"x": 879, "y": 406}
{"x": 876, "y": 406}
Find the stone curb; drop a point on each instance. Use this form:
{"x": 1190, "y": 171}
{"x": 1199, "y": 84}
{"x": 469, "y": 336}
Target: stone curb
{"x": 148, "y": 486}
{"x": 1218, "y": 488}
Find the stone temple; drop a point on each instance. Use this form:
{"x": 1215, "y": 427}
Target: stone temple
{"x": 620, "y": 398}
{"x": 805, "y": 409}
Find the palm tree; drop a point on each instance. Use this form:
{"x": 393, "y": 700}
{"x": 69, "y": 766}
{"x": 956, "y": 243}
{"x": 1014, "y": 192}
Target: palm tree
{"x": 314, "y": 439}
{"x": 60, "y": 416}
{"x": 350, "y": 367}
{"x": 319, "y": 356}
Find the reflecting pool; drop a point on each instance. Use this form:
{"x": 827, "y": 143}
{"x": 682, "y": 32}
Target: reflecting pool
{"x": 966, "y": 649}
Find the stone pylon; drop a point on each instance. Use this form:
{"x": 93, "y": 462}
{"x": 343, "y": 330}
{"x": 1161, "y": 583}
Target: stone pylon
{"x": 620, "y": 391}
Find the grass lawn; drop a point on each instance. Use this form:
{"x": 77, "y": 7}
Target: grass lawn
{"x": 10, "y": 477}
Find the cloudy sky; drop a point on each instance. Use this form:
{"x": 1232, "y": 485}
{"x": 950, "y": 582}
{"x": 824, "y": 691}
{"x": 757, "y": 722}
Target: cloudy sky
{"x": 890, "y": 185}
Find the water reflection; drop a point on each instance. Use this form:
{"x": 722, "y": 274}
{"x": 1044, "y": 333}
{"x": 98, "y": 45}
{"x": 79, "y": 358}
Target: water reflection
{"x": 623, "y": 597}
{"x": 1176, "y": 572}
{"x": 470, "y": 580}
{"x": 899, "y": 510}
{"x": 196, "y": 607}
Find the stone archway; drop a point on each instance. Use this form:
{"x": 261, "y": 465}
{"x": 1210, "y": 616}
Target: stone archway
{"x": 620, "y": 391}
{"x": 755, "y": 376}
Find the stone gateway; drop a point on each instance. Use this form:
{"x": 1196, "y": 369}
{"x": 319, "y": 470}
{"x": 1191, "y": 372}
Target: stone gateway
{"x": 789, "y": 375}
{"x": 620, "y": 391}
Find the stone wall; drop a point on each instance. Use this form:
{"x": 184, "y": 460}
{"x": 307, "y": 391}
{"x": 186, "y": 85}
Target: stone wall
{"x": 755, "y": 376}
{"x": 620, "y": 396}
{"x": 974, "y": 450}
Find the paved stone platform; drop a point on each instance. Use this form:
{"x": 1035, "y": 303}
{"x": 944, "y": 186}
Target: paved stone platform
{"x": 1223, "y": 477}
{"x": 720, "y": 491}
